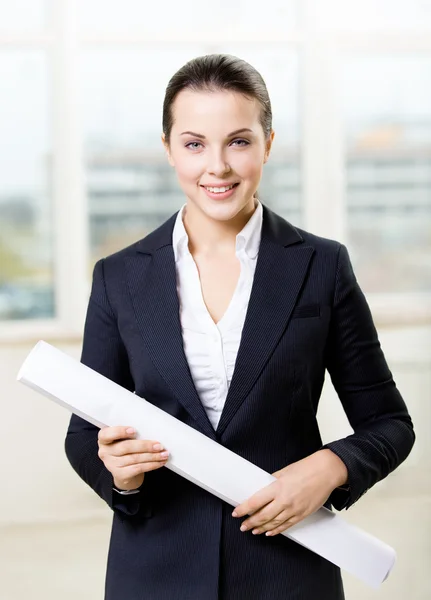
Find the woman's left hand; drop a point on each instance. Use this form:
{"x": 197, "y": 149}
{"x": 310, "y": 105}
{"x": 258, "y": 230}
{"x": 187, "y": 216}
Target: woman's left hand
{"x": 301, "y": 489}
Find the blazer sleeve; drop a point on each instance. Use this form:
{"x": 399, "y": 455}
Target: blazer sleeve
{"x": 104, "y": 352}
{"x": 383, "y": 431}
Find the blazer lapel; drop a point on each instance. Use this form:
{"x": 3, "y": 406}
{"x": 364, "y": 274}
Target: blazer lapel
{"x": 151, "y": 279}
{"x": 282, "y": 266}
{"x": 281, "y": 269}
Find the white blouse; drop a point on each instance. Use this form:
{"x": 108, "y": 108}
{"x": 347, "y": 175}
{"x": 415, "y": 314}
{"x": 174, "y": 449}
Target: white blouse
{"x": 210, "y": 348}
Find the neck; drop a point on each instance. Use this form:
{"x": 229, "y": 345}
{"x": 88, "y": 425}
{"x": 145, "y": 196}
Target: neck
{"x": 208, "y": 236}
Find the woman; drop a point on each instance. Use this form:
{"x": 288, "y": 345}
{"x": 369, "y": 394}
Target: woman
{"x": 227, "y": 317}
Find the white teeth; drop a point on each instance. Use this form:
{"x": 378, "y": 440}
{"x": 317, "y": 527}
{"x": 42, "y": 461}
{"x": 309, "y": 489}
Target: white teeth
{"x": 218, "y": 190}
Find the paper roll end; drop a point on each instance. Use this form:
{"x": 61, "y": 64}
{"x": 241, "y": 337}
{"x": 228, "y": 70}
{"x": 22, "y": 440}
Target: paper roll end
{"x": 36, "y": 347}
{"x": 394, "y": 560}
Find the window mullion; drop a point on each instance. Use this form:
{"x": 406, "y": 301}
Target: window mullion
{"x": 69, "y": 199}
{"x": 322, "y": 141}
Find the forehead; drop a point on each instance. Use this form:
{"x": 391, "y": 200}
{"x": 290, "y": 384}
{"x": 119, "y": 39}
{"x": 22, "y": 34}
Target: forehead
{"x": 227, "y": 110}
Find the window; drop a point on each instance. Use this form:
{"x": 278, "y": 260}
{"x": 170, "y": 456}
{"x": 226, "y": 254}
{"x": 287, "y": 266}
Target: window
{"x": 350, "y": 85}
{"x": 372, "y": 15}
{"x": 190, "y": 17}
{"x": 26, "y": 270}
{"x": 387, "y": 110}
{"x": 22, "y": 16}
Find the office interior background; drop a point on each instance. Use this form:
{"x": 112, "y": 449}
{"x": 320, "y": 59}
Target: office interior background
{"x": 83, "y": 173}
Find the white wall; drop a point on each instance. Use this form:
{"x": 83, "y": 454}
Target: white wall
{"x": 38, "y": 483}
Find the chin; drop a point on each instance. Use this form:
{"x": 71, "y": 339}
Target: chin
{"x": 223, "y": 211}
{"x": 219, "y": 210}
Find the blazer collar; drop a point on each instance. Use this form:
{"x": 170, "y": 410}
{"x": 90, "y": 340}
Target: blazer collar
{"x": 274, "y": 229}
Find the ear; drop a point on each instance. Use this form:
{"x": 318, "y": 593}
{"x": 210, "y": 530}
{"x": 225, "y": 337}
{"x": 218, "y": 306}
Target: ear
{"x": 268, "y": 145}
{"x": 167, "y": 150}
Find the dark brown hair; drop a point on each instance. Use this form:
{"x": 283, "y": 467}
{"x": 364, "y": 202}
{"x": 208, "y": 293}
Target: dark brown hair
{"x": 215, "y": 72}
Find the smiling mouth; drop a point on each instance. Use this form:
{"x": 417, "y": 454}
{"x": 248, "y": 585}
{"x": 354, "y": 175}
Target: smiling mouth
{"x": 220, "y": 190}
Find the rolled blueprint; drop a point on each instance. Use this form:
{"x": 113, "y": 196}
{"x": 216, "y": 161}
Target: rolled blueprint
{"x": 196, "y": 457}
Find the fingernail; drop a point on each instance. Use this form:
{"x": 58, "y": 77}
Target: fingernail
{"x": 234, "y": 514}
{"x": 157, "y": 447}
{"x": 130, "y": 430}
{"x": 243, "y": 527}
{"x": 165, "y": 454}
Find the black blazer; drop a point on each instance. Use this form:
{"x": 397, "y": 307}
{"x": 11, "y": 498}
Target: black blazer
{"x": 173, "y": 540}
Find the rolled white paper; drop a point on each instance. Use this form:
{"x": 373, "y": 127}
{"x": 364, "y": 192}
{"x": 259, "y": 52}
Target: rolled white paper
{"x": 196, "y": 457}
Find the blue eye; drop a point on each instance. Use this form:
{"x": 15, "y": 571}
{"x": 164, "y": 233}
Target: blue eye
{"x": 197, "y": 145}
{"x": 191, "y": 143}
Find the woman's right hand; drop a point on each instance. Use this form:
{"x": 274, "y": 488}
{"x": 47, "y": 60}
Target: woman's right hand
{"x": 129, "y": 459}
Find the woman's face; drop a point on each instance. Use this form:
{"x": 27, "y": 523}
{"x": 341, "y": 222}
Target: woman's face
{"x": 217, "y": 141}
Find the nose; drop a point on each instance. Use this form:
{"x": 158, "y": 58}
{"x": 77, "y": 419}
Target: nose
{"x": 217, "y": 164}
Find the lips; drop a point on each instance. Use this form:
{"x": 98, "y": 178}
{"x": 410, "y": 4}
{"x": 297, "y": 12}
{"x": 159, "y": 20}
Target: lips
{"x": 220, "y": 189}
{"x": 220, "y": 195}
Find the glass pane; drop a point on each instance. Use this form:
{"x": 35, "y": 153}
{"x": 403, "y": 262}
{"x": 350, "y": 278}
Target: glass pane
{"x": 26, "y": 271}
{"x": 131, "y": 186}
{"x": 227, "y": 17}
{"x": 22, "y": 16}
{"x": 387, "y": 107}
{"x": 369, "y": 15}
{"x": 280, "y": 188}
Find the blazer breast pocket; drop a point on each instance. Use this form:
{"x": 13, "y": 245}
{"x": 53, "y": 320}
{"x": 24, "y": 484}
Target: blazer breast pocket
{"x": 306, "y": 311}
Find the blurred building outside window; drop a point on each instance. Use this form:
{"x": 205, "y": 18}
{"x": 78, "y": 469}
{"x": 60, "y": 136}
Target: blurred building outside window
{"x": 388, "y": 170}
{"x": 26, "y": 255}
{"x": 122, "y": 68}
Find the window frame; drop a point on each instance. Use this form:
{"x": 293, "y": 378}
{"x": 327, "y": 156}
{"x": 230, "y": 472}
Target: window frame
{"x": 321, "y": 150}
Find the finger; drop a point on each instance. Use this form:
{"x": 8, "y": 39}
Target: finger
{"x": 255, "y": 502}
{"x": 135, "y": 459}
{"x": 273, "y": 523}
{"x": 107, "y": 435}
{"x": 265, "y": 515}
{"x": 285, "y": 526}
{"x": 122, "y": 447}
{"x": 127, "y": 473}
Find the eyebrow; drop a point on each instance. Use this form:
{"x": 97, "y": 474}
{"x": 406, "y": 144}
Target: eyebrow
{"x": 202, "y": 137}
